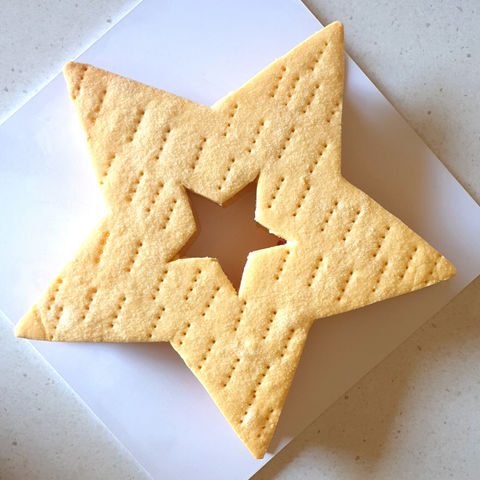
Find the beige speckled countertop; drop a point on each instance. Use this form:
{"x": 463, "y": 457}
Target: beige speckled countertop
{"x": 416, "y": 414}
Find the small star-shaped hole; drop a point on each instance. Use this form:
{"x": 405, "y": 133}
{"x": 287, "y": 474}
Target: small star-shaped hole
{"x": 229, "y": 232}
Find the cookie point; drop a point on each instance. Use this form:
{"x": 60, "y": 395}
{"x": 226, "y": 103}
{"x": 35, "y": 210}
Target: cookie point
{"x": 31, "y": 326}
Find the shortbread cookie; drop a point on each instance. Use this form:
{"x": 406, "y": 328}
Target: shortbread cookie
{"x": 343, "y": 250}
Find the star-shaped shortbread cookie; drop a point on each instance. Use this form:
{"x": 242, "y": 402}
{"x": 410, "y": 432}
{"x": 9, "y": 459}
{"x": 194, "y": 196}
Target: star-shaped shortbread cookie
{"x": 344, "y": 250}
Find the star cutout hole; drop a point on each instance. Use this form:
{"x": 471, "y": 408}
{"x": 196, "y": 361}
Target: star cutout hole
{"x": 229, "y": 232}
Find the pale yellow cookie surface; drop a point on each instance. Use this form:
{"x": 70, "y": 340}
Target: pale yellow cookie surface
{"x": 344, "y": 251}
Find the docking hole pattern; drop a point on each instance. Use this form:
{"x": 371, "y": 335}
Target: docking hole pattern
{"x": 89, "y": 300}
{"x": 198, "y": 153}
{"x": 410, "y": 259}
{"x": 134, "y": 257}
{"x": 328, "y": 217}
{"x": 101, "y": 248}
{"x": 270, "y": 322}
{"x": 210, "y": 301}
{"x": 193, "y": 284}
{"x": 351, "y": 224}
{"x": 77, "y": 89}
{"x": 98, "y": 108}
{"x": 52, "y": 307}
{"x": 233, "y": 368}
{"x": 377, "y": 254}
{"x": 257, "y": 128}
{"x": 231, "y": 116}
{"x": 169, "y": 213}
{"x": 256, "y": 387}
{"x": 238, "y": 319}
{"x": 118, "y": 310}
{"x": 163, "y": 141}
{"x": 315, "y": 271}
{"x": 276, "y": 192}
{"x": 205, "y": 356}
{"x": 137, "y": 121}
{"x": 134, "y": 188}
{"x": 316, "y": 161}
{"x": 155, "y": 197}
{"x": 282, "y": 265}
{"x": 157, "y": 287}
{"x": 284, "y": 146}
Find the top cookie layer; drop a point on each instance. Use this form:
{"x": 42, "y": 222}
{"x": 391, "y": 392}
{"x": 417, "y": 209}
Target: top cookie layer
{"x": 344, "y": 251}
